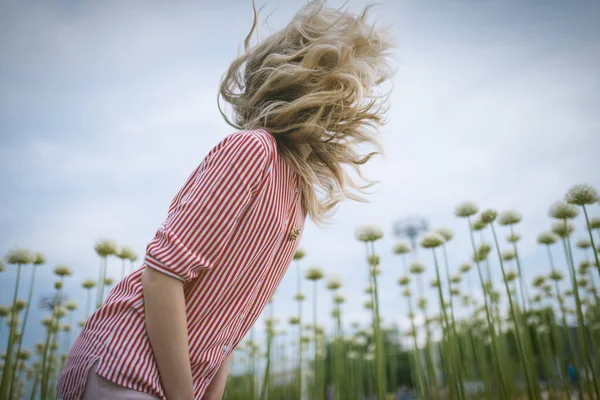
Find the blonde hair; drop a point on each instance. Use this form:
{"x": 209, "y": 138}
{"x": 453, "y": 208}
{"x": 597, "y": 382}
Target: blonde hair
{"x": 315, "y": 86}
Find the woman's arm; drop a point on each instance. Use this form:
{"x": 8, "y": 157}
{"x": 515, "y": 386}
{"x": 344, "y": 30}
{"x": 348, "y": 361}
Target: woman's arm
{"x": 167, "y": 329}
{"x": 216, "y": 389}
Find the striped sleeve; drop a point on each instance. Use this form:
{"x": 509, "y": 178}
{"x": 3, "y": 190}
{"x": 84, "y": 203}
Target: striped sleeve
{"x": 203, "y": 215}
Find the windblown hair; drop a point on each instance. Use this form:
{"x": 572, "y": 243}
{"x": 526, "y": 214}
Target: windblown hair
{"x": 315, "y": 86}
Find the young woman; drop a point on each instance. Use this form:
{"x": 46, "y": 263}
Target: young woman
{"x": 303, "y": 100}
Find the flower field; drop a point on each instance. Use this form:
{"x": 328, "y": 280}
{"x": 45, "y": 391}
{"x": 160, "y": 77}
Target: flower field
{"x": 488, "y": 333}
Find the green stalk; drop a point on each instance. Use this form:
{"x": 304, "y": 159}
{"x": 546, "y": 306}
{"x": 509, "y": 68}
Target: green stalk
{"x": 315, "y": 389}
{"x": 594, "y": 248}
{"x": 522, "y": 285}
{"x": 532, "y": 388}
{"x": 379, "y": 366}
{"x": 500, "y": 372}
{"x": 102, "y": 279}
{"x": 581, "y": 323}
{"x": 421, "y": 381}
{"x": 25, "y": 316}
{"x": 299, "y": 279}
{"x": 8, "y": 369}
{"x": 88, "y": 304}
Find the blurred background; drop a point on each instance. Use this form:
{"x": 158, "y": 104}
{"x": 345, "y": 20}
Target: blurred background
{"x": 107, "y": 107}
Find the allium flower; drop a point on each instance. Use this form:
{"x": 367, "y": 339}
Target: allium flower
{"x": 368, "y": 305}
{"x": 60, "y": 312}
{"x": 314, "y": 273}
{"x": 546, "y": 238}
{"x": 510, "y": 217}
{"x": 584, "y": 266}
{"x": 4, "y": 311}
{"x": 338, "y": 298}
{"x": 19, "y": 305}
{"x": 582, "y": 195}
{"x": 24, "y": 354}
{"x": 334, "y": 282}
{"x": 126, "y": 253}
{"x": 511, "y": 275}
{"x": 431, "y": 240}
{"x": 584, "y": 244}
{"x": 71, "y": 305}
{"x": 455, "y": 279}
{"x": 466, "y": 209}
{"x": 402, "y": 247}
{"x": 19, "y": 256}
{"x": 66, "y": 327}
{"x": 562, "y": 210}
{"x": 406, "y": 292}
{"x": 556, "y": 275}
{"x": 434, "y": 283}
{"x": 482, "y": 252}
{"x": 417, "y": 267}
{"x": 81, "y": 323}
{"x": 508, "y": 255}
{"x": 454, "y": 292}
{"x": 513, "y": 238}
{"x": 422, "y": 303}
{"x": 373, "y": 260}
{"x": 106, "y": 248}
{"x": 488, "y": 216}
{"x": 478, "y": 225}
{"x": 404, "y": 280}
{"x": 352, "y": 354}
{"x": 595, "y": 223}
{"x": 299, "y": 254}
{"x": 108, "y": 281}
{"x": 582, "y": 282}
{"x": 465, "y": 267}
{"x": 62, "y": 271}
{"x": 299, "y": 297}
{"x": 58, "y": 285}
{"x": 446, "y": 233}
{"x": 39, "y": 259}
{"x": 369, "y": 233}
{"x": 539, "y": 281}
{"x": 563, "y": 230}
{"x": 369, "y": 290}
{"x": 88, "y": 284}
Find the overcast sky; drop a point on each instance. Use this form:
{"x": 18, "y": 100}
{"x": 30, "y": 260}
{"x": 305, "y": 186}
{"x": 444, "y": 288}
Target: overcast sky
{"x": 106, "y": 108}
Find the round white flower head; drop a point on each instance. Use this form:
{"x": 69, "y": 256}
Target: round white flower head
{"x": 478, "y": 225}
{"x": 334, "y": 282}
{"x": 422, "y": 303}
{"x": 299, "y": 297}
{"x": 563, "y": 230}
{"x": 466, "y": 209}
{"x": 314, "y": 273}
{"x": 562, "y": 210}
{"x": 513, "y": 237}
{"x": 39, "y": 259}
{"x": 584, "y": 267}
{"x": 511, "y": 275}
{"x": 81, "y": 323}
{"x": 58, "y": 285}
{"x": 294, "y": 321}
{"x": 369, "y": 289}
{"x": 88, "y": 284}
{"x": 369, "y": 356}
{"x": 488, "y": 216}
{"x": 539, "y": 281}
{"x": 465, "y": 267}
{"x": 60, "y": 312}
{"x": 434, "y": 283}
{"x": 24, "y": 354}
{"x": 455, "y": 279}
{"x": 368, "y": 305}
{"x": 584, "y": 244}
{"x": 106, "y": 247}
{"x": 406, "y": 292}
{"x": 62, "y": 271}
{"x": 299, "y": 254}
{"x": 454, "y": 292}
{"x": 417, "y": 267}
{"x": 582, "y": 195}
{"x": 508, "y": 255}
{"x": 19, "y": 256}
{"x": 582, "y": 282}
{"x": 546, "y": 238}
{"x": 404, "y": 280}
{"x": 66, "y": 327}
{"x": 126, "y": 253}
{"x": 338, "y": 298}
{"x": 71, "y": 305}
{"x": 431, "y": 240}
{"x": 595, "y": 223}
{"x": 510, "y": 217}
{"x": 19, "y": 305}
{"x": 402, "y": 247}
{"x": 4, "y": 311}
{"x": 446, "y": 233}
{"x": 369, "y": 233}
{"x": 109, "y": 281}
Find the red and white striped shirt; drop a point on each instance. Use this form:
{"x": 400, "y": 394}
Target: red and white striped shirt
{"x": 230, "y": 235}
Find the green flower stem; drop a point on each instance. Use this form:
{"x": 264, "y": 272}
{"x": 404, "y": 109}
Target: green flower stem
{"x": 9, "y": 369}
{"x": 299, "y": 285}
{"x": 25, "y": 317}
{"x": 591, "y": 384}
{"x": 123, "y": 270}
{"x": 421, "y": 380}
{"x": 101, "y": 281}
{"x": 532, "y": 388}
{"x": 88, "y": 304}
{"x": 492, "y": 332}
{"x": 521, "y": 278}
{"x": 316, "y": 394}
{"x": 454, "y": 378}
{"x": 379, "y": 360}
{"x": 594, "y": 248}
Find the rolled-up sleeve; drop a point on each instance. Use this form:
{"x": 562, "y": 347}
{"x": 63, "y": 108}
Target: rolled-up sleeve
{"x": 204, "y": 213}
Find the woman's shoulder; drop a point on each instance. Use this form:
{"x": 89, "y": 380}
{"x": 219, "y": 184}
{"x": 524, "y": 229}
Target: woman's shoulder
{"x": 258, "y": 141}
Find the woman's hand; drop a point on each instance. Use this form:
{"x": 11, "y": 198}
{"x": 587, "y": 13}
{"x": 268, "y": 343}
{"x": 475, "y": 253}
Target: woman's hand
{"x": 216, "y": 389}
{"x": 166, "y": 324}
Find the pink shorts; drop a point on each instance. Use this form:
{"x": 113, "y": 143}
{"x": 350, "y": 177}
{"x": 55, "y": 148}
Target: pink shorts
{"x": 98, "y": 388}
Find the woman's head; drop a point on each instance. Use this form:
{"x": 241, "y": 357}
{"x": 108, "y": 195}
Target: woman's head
{"x": 315, "y": 86}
